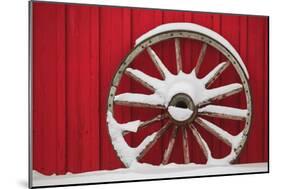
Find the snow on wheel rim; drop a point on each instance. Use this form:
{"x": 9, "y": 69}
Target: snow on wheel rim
{"x": 182, "y": 108}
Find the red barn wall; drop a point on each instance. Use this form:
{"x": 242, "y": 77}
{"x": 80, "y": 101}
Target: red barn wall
{"x": 76, "y": 51}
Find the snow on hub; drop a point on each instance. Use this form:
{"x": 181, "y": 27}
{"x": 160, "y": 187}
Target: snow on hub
{"x": 181, "y": 109}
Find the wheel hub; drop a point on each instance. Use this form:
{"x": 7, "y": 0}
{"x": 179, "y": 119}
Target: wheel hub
{"x": 181, "y": 109}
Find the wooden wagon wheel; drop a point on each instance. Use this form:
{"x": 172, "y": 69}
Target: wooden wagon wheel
{"x": 183, "y": 97}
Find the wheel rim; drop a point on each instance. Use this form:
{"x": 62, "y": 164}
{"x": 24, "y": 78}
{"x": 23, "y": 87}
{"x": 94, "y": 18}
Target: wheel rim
{"x": 182, "y": 105}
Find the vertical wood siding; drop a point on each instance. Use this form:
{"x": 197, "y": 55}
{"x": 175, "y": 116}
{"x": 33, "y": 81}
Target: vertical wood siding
{"x": 77, "y": 50}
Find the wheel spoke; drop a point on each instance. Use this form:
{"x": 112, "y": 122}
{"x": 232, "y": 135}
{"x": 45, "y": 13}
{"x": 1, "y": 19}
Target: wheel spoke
{"x": 215, "y": 73}
{"x": 158, "y": 63}
{"x": 148, "y": 122}
{"x": 131, "y": 126}
{"x": 224, "y": 112}
{"x": 139, "y": 100}
{"x": 146, "y": 80}
{"x": 200, "y": 58}
{"x": 158, "y": 134}
{"x": 202, "y": 143}
{"x": 178, "y": 54}
{"x": 216, "y": 131}
{"x": 220, "y": 93}
{"x": 170, "y": 147}
{"x": 185, "y": 146}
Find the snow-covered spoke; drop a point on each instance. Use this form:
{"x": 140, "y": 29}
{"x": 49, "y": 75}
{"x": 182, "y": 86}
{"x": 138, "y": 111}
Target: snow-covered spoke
{"x": 215, "y": 73}
{"x": 158, "y": 63}
{"x": 146, "y": 80}
{"x": 202, "y": 143}
{"x": 139, "y": 100}
{"x": 185, "y": 145}
{"x": 200, "y": 58}
{"x": 224, "y": 112}
{"x": 178, "y": 54}
{"x": 216, "y": 131}
{"x": 131, "y": 126}
{"x": 220, "y": 93}
{"x": 148, "y": 122}
{"x": 170, "y": 147}
{"x": 155, "y": 136}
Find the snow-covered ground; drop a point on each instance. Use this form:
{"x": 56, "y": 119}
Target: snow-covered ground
{"x": 146, "y": 172}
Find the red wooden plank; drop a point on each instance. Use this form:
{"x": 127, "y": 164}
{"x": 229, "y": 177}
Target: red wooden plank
{"x": 37, "y": 115}
{"x": 83, "y": 59}
{"x": 82, "y": 88}
{"x": 105, "y": 60}
{"x": 256, "y": 59}
{"x": 72, "y": 90}
{"x": 266, "y": 89}
{"x": 48, "y": 90}
{"x": 95, "y": 88}
{"x": 60, "y": 102}
{"x": 79, "y": 88}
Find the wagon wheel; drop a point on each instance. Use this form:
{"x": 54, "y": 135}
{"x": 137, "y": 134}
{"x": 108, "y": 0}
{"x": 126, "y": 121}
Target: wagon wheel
{"x": 183, "y": 96}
